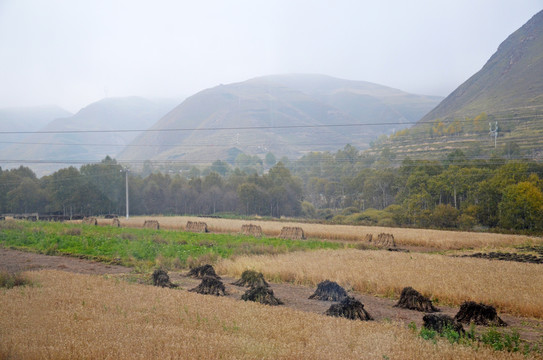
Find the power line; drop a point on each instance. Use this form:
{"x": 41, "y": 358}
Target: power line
{"x": 258, "y": 127}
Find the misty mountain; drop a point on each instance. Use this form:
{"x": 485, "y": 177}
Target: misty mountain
{"x": 26, "y": 119}
{"x": 84, "y": 145}
{"x": 288, "y": 115}
{"x": 508, "y": 90}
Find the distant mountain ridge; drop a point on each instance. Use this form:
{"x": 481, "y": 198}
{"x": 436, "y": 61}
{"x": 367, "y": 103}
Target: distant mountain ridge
{"x": 26, "y": 119}
{"x": 507, "y": 92}
{"x": 260, "y": 113}
{"x": 125, "y": 113}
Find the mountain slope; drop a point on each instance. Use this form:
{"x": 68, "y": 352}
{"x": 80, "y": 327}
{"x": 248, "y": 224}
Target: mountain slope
{"x": 130, "y": 113}
{"x": 287, "y": 115}
{"x": 507, "y": 90}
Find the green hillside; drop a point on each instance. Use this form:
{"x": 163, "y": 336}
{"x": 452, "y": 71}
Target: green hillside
{"x": 508, "y": 90}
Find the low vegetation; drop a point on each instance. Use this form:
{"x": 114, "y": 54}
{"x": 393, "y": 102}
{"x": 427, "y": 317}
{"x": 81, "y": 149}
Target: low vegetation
{"x": 9, "y": 280}
{"x": 78, "y": 316}
{"x": 435, "y": 239}
{"x": 141, "y": 247}
{"x": 511, "y": 287}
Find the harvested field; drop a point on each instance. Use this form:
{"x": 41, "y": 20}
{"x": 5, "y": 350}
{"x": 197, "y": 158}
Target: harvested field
{"x": 81, "y": 316}
{"x": 511, "y": 287}
{"x": 435, "y": 239}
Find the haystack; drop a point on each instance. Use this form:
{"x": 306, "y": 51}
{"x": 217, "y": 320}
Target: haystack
{"x": 90, "y": 221}
{"x": 349, "y": 308}
{"x": 413, "y": 300}
{"x": 116, "y": 222}
{"x": 210, "y": 285}
{"x": 196, "y": 226}
{"x": 440, "y": 322}
{"x": 251, "y": 279}
{"x": 479, "y": 314}
{"x": 151, "y": 224}
{"x": 368, "y": 238}
{"x": 251, "y": 230}
{"x": 261, "y": 294}
{"x": 200, "y": 272}
{"x": 161, "y": 278}
{"x": 329, "y": 291}
{"x": 294, "y": 233}
{"x": 384, "y": 241}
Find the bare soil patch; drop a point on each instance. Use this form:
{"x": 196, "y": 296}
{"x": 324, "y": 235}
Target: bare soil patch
{"x": 16, "y": 261}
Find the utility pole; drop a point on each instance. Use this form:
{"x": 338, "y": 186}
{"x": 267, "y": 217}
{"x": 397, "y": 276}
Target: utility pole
{"x": 126, "y": 189}
{"x": 494, "y": 133}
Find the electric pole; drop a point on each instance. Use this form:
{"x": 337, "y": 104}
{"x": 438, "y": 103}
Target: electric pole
{"x": 494, "y": 133}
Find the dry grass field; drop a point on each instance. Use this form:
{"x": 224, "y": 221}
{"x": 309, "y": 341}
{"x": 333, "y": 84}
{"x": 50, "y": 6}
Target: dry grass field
{"x": 436, "y": 239}
{"x": 74, "y": 316}
{"x": 511, "y": 287}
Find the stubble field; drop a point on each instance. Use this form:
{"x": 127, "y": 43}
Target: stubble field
{"x": 64, "y": 315}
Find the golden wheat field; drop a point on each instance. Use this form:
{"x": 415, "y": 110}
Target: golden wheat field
{"x": 511, "y": 287}
{"x": 73, "y": 316}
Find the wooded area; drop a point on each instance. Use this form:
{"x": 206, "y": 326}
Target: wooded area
{"x": 347, "y": 187}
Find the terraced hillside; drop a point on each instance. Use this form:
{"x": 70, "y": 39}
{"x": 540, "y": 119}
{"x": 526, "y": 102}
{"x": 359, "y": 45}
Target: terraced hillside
{"x": 507, "y": 94}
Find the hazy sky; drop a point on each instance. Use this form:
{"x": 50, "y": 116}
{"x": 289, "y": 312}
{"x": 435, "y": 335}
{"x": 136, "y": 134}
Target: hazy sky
{"x": 72, "y": 53}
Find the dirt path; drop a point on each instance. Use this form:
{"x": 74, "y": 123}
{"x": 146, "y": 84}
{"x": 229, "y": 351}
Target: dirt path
{"x": 294, "y": 296}
{"x": 15, "y": 261}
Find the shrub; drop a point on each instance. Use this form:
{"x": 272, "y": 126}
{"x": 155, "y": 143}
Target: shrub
{"x": 9, "y": 280}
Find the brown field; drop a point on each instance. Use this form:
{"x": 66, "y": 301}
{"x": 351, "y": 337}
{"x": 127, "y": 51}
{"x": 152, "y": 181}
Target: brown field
{"x": 75, "y": 316}
{"x": 511, "y": 287}
{"x": 435, "y": 239}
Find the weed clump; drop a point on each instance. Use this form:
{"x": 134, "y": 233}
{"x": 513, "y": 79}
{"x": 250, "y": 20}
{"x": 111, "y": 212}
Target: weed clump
{"x": 329, "y": 291}
{"x": 479, "y": 314}
{"x": 413, "y": 300}
{"x": 200, "y": 272}
{"x": 261, "y": 294}
{"x": 251, "y": 278}
{"x": 210, "y": 285}
{"x": 10, "y": 280}
{"x": 162, "y": 279}
{"x": 349, "y": 308}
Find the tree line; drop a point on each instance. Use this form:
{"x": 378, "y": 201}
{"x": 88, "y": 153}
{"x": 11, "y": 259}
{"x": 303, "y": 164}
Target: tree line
{"x": 345, "y": 187}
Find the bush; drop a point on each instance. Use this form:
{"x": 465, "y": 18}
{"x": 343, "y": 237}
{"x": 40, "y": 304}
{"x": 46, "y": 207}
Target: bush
{"x": 8, "y": 280}
{"x": 444, "y": 216}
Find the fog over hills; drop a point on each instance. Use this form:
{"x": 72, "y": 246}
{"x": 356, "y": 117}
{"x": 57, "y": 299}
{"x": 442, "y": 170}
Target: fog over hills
{"x": 127, "y": 113}
{"x": 26, "y": 119}
{"x": 287, "y": 115}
